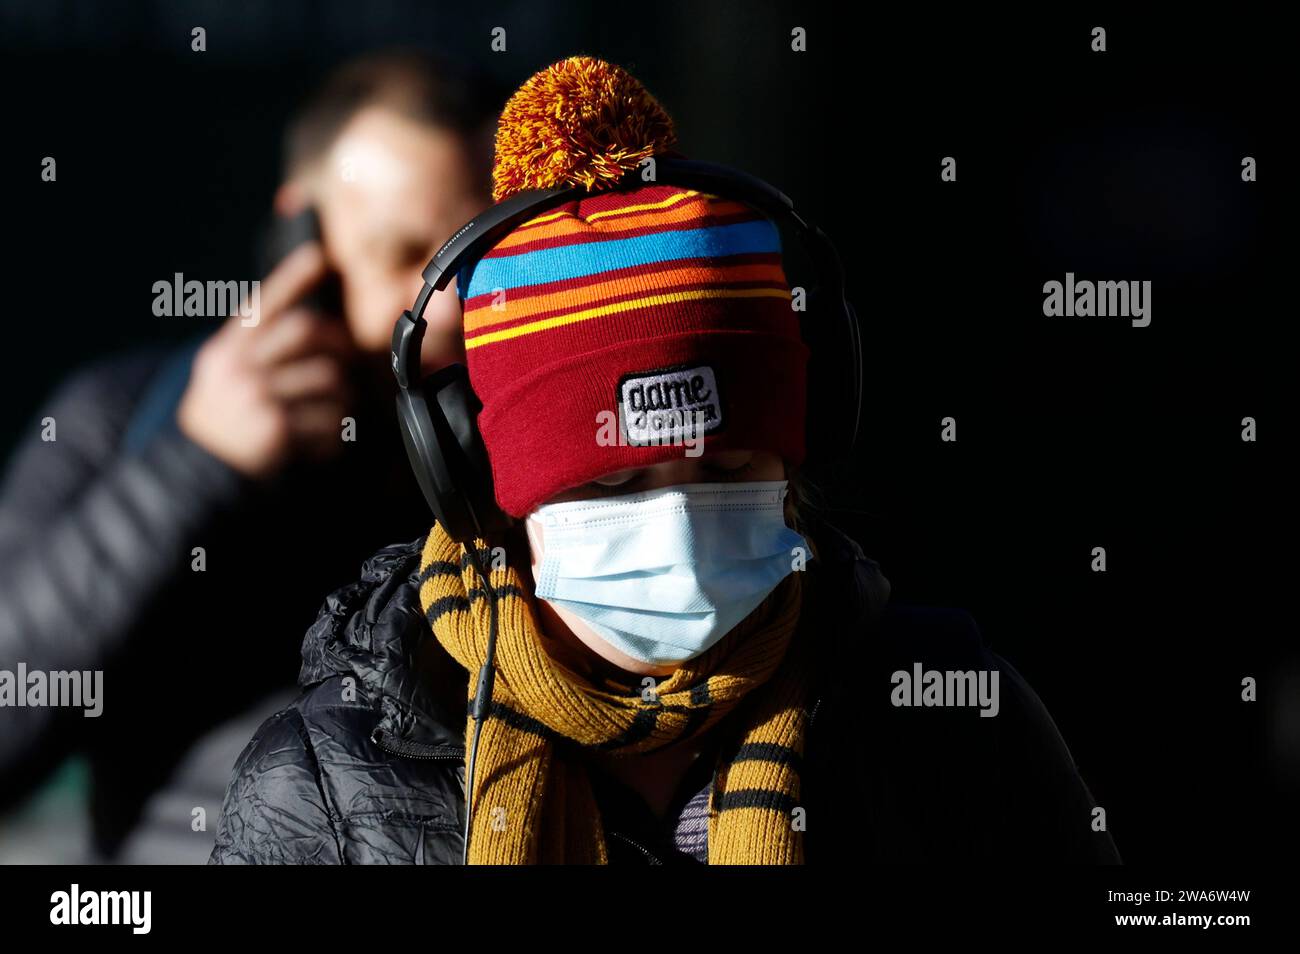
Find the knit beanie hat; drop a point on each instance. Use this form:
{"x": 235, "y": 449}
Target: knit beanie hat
{"x": 624, "y": 328}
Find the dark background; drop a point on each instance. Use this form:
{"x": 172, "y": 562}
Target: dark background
{"x": 1072, "y": 433}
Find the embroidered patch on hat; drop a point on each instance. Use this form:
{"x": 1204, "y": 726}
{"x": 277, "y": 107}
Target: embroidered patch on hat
{"x": 669, "y": 405}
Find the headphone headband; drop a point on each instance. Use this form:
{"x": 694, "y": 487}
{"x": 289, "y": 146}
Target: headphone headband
{"x": 439, "y": 414}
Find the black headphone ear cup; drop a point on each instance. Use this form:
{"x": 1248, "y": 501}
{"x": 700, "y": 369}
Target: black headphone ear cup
{"x": 831, "y": 391}
{"x": 823, "y": 431}
{"x": 440, "y": 430}
{"x": 829, "y": 328}
{"x": 428, "y": 463}
{"x": 450, "y": 388}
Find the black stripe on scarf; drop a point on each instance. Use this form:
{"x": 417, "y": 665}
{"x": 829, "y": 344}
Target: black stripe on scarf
{"x": 643, "y": 723}
{"x": 769, "y": 752}
{"x": 437, "y": 568}
{"x": 449, "y": 604}
{"x": 701, "y": 706}
{"x": 484, "y": 556}
{"x": 697, "y": 712}
{"x": 447, "y": 568}
{"x": 513, "y": 718}
{"x": 756, "y": 798}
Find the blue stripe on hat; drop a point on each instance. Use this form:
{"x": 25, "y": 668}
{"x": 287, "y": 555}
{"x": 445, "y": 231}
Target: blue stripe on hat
{"x": 591, "y": 258}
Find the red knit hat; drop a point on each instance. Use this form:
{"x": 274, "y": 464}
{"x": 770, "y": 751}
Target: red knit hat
{"x": 608, "y": 332}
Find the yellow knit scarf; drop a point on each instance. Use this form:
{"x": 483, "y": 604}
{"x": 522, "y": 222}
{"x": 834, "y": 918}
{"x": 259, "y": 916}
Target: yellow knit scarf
{"x": 534, "y": 806}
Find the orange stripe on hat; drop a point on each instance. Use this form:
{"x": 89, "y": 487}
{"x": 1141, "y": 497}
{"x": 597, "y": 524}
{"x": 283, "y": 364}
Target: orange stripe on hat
{"x": 485, "y": 314}
{"x": 613, "y": 222}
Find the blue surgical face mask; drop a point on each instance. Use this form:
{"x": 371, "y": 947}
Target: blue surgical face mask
{"x": 664, "y": 574}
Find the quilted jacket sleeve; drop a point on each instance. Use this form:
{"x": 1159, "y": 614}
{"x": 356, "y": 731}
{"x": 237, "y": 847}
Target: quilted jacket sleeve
{"x": 275, "y": 810}
{"x": 89, "y": 535}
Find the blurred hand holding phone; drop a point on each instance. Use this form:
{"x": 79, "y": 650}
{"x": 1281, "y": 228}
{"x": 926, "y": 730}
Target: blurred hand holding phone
{"x": 281, "y": 238}
{"x": 263, "y": 394}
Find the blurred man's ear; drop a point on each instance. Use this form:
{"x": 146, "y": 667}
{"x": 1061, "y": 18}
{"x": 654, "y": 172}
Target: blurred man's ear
{"x": 290, "y": 199}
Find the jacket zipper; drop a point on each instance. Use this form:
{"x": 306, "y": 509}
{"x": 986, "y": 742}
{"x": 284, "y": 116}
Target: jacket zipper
{"x": 418, "y": 750}
{"x": 654, "y": 859}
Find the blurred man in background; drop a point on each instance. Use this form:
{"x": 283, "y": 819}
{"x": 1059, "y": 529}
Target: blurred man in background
{"x": 178, "y": 477}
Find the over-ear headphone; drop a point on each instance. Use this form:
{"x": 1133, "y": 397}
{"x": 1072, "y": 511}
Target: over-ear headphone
{"x": 439, "y": 414}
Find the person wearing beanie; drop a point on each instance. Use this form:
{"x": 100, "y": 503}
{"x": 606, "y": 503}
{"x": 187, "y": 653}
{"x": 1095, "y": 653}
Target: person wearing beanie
{"x": 691, "y": 667}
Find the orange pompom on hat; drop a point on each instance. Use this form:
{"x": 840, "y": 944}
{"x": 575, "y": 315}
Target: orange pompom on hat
{"x": 617, "y": 329}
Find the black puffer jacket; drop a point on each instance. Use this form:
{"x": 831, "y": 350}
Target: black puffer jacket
{"x": 367, "y": 765}
{"x": 97, "y": 531}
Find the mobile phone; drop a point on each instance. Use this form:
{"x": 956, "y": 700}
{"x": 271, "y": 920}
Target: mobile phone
{"x": 284, "y": 234}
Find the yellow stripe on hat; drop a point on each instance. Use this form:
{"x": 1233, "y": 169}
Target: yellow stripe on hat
{"x": 647, "y": 302}
{"x": 645, "y": 206}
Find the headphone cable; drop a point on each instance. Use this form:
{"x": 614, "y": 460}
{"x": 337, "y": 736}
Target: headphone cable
{"x": 482, "y": 692}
